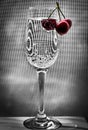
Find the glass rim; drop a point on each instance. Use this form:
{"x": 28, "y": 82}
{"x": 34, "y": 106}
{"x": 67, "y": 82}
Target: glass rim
{"x": 41, "y": 7}
{"x": 45, "y": 9}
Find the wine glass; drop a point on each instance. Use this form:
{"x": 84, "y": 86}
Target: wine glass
{"x": 42, "y": 52}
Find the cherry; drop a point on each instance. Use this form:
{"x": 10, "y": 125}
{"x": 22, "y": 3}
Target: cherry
{"x": 62, "y": 27}
{"x": 49, "y": 24}
{"x": 69, "y": 22}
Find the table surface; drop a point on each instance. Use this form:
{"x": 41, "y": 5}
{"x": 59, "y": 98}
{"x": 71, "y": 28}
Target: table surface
{"x": 16, "y": 123}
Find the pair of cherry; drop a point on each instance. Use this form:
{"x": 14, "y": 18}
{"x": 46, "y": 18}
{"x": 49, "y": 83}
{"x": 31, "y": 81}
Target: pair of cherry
{"x": 61, "y": 27}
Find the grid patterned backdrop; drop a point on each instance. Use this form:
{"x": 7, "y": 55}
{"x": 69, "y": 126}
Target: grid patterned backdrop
{"x": 66, "y": 87}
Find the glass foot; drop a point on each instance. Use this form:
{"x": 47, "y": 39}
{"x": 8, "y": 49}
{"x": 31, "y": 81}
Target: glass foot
{"x": 46, "y": 123}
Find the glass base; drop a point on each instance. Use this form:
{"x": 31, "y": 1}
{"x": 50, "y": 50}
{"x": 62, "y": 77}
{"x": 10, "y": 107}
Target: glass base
{"x": 45, "y": 123}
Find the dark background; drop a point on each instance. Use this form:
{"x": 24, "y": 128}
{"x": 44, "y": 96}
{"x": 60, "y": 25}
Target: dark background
{"x": 66, "y": 88}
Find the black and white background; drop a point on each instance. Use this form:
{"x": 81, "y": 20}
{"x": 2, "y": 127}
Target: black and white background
{"x": 66, "y": 87}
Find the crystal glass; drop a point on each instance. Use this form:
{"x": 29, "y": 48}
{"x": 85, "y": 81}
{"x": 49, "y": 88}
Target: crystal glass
{"x": 42, "y": 52}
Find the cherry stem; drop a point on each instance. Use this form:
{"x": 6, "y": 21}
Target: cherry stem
{"x": 60, "y": 10}
{"x": 52, "y": 13}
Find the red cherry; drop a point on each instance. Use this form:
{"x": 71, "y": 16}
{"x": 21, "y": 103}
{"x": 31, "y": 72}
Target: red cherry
{"x": 69, "y": 22}
{"x": 62, "y": 27}
{"x": 49, "y": 24}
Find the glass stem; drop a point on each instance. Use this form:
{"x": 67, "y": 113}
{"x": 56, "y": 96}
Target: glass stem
{"x": 41, "y": 80}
